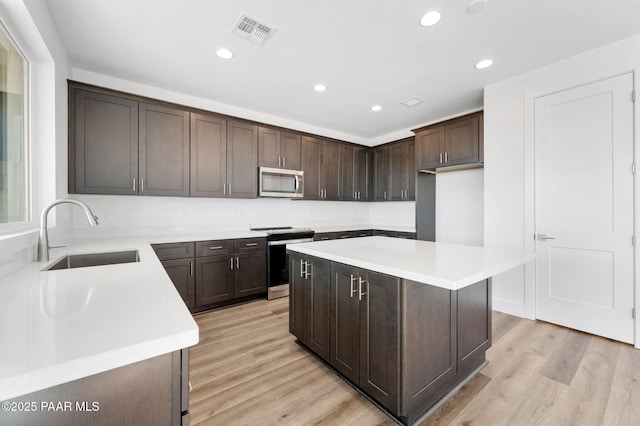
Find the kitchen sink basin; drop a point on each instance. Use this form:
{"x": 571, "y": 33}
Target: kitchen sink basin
{"x": 95, "y": 259}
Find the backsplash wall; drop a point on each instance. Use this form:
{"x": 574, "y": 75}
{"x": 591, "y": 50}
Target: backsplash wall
{"x": 149, "y": 213}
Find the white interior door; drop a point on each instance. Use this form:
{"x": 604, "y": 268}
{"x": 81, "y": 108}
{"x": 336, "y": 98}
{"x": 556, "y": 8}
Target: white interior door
{"x": 584, "y": 207}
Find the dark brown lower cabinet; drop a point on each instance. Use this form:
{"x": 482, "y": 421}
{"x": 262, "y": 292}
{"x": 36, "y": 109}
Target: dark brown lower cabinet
{"x": 210, "y": 274}
{"x": 182, "y": 275}
{"x": 404, "y": 344}
{"x": 309, "y": 302}
{"x": 365, "y": 344}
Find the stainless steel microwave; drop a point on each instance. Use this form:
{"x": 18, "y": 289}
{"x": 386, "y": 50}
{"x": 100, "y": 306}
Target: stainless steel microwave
{"x": 281, "y": 183}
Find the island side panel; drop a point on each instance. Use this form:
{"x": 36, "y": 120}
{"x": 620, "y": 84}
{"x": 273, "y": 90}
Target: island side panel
{"x": 428, "y": 346}
{"x": 474, "y": 326}
{"x": 139, "y": 393}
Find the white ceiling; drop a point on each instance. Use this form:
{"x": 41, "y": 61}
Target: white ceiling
{"x": 366, "y": 52}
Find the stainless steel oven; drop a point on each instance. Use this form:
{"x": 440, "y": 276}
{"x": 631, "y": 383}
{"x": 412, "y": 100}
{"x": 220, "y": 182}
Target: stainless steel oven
{"x": 277, "y": 258}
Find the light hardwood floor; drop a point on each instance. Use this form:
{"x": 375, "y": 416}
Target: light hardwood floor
{"x": 247, "y": 370}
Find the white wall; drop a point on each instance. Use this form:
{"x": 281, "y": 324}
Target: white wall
{"x": 508, "y": 178}
{"x": 459, "y": 207}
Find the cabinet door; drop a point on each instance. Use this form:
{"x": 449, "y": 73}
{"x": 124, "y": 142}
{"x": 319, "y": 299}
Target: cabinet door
{"x": 298, "y": 297}
{"x": 250, "y": 275}
{"x": 474, "y": 325}
{"x": 290, "y": 150}
{"x": 345, "y": 321}
{"x": 269, "y": 148}
{"x": 380, "y": 174}
{"x": 348, "y": 173}
{"x": 208, "y": 155}
{"x": 181, "y": 273}
{"x": 104, "y": 144}
{"x": 380, "y": 337}
{"x": 311, "y": 151}
{"x": 397, "y": 171}
{"x": 411, "y": 171}
{"x": 330, "y": 170}
{"x": 319, "y": 284}
{"x": 430, "y": 148}
{"x": 163, "y": 151}
{"x": 461, "y": 142}
{"x": 214, "y": 279}
{"x": 362, "y": 173}
{"x": 242, "y": 160}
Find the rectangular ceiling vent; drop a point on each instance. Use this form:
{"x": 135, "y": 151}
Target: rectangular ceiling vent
{"x": 253, "y": 30}
{"x": 411, "y": 102}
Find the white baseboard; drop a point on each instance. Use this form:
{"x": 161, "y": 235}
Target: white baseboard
{"x": 508, "y": 307}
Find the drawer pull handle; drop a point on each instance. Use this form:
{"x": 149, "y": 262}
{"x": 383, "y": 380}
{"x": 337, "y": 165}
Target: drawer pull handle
{"x": 215, "y": 247}
{"x": 344, "y": 236}
{"x": 353, "y": 287}
{"x": 251, "y": 244}
{"x": 361, "y": 293}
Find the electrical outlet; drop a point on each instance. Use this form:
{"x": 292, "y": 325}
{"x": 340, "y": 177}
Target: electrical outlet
{"x": 106, "y": 213}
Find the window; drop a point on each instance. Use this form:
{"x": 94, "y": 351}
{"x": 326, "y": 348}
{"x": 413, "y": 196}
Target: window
{"x": 13, "y": 159}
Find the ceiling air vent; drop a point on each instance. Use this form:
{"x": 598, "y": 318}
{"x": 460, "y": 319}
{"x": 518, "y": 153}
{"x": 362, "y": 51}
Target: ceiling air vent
{"x": 412, "y": 102}
{"x": 253, "y": 30}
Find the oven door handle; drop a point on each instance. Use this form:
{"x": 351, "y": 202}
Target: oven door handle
{"x": 283, "y": 242}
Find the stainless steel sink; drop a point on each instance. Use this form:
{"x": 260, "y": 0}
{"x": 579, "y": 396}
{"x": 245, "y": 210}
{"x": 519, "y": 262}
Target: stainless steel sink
{"x": 95, "y": 259}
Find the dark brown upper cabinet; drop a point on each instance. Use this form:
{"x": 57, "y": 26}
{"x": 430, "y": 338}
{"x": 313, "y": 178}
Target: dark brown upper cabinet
{"x": 163, "y": 151}
{"x": 402, "y": 171}
{"x": 355, "y": 173}
{"x": 103, "y": 144}
{"x": 279, "y": 149}
{"x": 242, "y": 160}
{"x": 321, "y": 166}
{"x": 223, "y": 158}
{"x": 208, "y": 156}
{"x": 381, "y": 173}
{"x": 451, "y": 143}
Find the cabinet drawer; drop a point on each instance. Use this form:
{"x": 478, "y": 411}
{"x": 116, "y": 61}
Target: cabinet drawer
{"x": 213, "y": 247}
{"x": 172, "y": 251}
{"x": 249, "y": 244}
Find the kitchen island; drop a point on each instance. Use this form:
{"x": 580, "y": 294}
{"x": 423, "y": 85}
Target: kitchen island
{"x": 406, "y": 322}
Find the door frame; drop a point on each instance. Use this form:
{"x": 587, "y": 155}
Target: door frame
{"x": 529, "y": 181}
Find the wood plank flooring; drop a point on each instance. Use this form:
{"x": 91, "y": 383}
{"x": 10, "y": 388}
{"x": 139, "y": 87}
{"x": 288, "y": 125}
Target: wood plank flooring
{"x": 247, "y": 370}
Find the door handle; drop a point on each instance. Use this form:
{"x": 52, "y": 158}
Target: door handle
{"x": 231, "y": 263}
{"x": 544, "y": 237}
{"x": 237, "y": 263}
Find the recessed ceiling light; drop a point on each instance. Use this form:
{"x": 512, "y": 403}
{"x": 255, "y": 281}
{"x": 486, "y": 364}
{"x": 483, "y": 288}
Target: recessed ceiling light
{"x": 319, "y": 87}
{"x": 485, "y": 63}
{"x": 430, "y": 18}
{"x": 376, "y": 108}
{"x": 224, "y": 53}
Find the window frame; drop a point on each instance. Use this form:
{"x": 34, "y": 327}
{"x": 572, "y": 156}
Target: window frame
{"x": 8, "y": 229}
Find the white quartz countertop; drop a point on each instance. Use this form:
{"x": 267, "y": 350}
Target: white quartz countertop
{"x": 449, "y": 266}
{"x": 59, "y": 326}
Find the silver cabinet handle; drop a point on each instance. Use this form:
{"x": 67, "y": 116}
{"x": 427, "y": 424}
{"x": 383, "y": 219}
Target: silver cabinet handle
{"x": 191, "y": 268}
{"x": 301, "y": 268}
{"x": 215, "y": 248}
{"x": 385, "y": 195}
{"x": 224, "y": 189}
{"x": 229, "y": 192}
{"x": 544, "y": 237}
{"x": 134, "y": 184}
{"x": 279, "y": 161}
{"x": 237, "y": 263}
{"x": 440, "y": 158}
{"x": 307, "y": 272}
{"x": 353, "y": 287}
{"x": 446, "y": 157}
{"x": 251, "y": 244}
{"x": 361, "y": 293}
{"x": 141, "y": 184}
{"x": 231, "y": 263}
{"x": 284, "y": 162}
{"x": 344, "y": 236}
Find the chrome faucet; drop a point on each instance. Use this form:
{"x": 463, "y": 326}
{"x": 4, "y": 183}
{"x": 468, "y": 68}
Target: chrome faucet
{"x": 43, "y": 241}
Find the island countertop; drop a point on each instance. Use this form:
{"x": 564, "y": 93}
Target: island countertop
{"x": 449, "y": 266}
